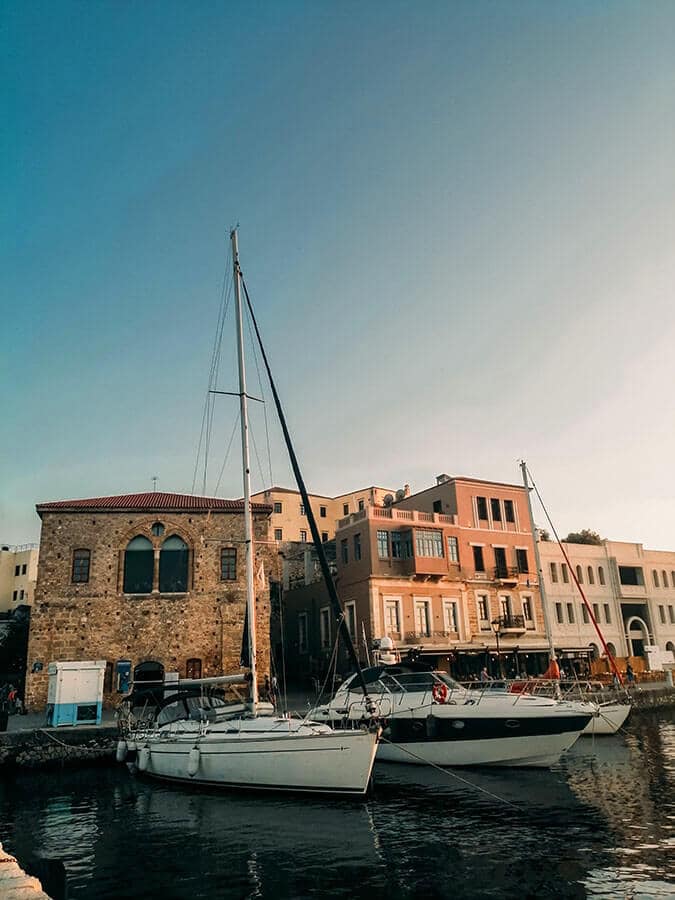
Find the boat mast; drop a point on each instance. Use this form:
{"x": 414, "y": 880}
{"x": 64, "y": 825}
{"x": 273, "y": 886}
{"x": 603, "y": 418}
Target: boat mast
{"x": 540, "y": 573}
{"x": 248, "y": 518}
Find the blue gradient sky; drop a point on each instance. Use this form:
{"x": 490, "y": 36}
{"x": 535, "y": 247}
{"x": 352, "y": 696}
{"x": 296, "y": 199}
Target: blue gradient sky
{"x": 456, "y": 220}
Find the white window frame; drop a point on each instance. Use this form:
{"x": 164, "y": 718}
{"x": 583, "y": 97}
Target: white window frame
{"x": 455, "y": 544}
{"x": 530, "y": 600}
{"x": 303, "y": 535}
{"x": 450, "y": 615}
{"x": 388, "y": 601}
{"x": 423, "y": 602}
{"x": 483, "y": 624}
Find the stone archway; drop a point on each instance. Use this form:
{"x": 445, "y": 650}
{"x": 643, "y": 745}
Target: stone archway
{"x": 637, "y": 636}
{"x": 149, "y": 681}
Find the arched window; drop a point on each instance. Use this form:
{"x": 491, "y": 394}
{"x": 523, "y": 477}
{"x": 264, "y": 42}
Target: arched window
{"x": 611, "y": 648}
{"x": 157, "y": 529}
{"x": 670, "y": 646}
{"x": 580, "y": 575}
{"x": 139, "y": 562}
{"x": 594, "y": 651}
{"x": 664, "y": 578}
{"x": 193, "y": 668}
{"x": 173, "y": 566}
{"x": 601, "y": 575}
{"x": 672, "y": 577}
{"x": 655, "y": 577}
{"x": 591, "y": 577}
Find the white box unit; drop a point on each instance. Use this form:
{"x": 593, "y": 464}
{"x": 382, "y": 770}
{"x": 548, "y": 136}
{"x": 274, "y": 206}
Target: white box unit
{"x": 75, "y": 694}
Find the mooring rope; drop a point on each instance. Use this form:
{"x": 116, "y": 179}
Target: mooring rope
{"x": 451, "y": 774}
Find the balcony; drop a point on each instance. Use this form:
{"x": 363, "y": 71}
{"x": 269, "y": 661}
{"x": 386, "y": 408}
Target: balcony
{"x": 431, "y": 637}
{"x": 427, "y": 565}
{"x": 507, "y": 574}
{"x": 510, "y": 624}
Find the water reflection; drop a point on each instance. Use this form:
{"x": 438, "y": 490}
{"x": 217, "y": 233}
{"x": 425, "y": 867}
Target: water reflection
{"x": 599, "y": 825}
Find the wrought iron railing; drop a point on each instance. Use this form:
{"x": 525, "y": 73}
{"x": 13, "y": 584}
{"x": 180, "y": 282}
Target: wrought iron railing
{"x": 506, "y": 622}
{"x": 434, "y": 637}
{"x": 506, "y": 572}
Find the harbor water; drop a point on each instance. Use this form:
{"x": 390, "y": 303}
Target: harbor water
{"x": 601, "y": 824}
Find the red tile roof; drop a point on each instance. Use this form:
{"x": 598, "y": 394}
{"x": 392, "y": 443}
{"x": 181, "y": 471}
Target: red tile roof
{"x": 155, "y": 501}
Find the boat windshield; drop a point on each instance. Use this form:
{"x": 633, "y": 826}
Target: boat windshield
{"x": 198, "y": 708}
{"x": 401, "y": 682}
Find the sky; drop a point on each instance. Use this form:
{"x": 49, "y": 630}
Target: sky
{"x": 456, "y": 221}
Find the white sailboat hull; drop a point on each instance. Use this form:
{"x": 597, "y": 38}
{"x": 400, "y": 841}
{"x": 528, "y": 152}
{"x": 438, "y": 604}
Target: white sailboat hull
{"x": 331, "y": 763}
{"x": 610, "y": 718}
{"x": 493, "y": 729}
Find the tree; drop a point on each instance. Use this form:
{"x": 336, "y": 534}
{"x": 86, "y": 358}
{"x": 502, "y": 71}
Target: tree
{"x": 585, "y": 536}
{"x": 543, "y": 534}
{"x": 14, "y": 646}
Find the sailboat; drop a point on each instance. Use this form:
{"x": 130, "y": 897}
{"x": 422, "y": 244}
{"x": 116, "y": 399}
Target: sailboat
{"x": 195, "y": 736}
{"x": 610, "y": 712}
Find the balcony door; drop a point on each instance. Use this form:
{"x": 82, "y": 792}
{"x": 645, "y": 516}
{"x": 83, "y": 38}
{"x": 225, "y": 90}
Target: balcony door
{"x": 422, "y": 618}
{"x": 392, "y": 618}
{"x": 500, "y": 562}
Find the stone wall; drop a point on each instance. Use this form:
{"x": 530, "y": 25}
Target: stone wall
{"x": 97, "y": 620}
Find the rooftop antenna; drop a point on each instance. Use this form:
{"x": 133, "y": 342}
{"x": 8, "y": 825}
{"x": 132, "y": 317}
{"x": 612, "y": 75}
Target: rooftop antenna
{"x": 154, "y": 480}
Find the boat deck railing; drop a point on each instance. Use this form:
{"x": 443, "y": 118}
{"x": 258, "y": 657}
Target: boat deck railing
{"x": 595, "y": 691}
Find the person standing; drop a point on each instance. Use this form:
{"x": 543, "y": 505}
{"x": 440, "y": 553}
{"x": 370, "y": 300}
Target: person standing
{"x": 484, "y": 675}
{"x": 630, "y": 675}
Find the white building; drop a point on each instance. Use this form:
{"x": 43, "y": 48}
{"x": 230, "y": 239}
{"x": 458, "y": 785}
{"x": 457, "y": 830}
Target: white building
{"x": 18, "y": 573}
{"x": 631, "y": 591}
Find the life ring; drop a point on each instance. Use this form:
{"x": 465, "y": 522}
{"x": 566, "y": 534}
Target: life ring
{"x": 439, "y": 692}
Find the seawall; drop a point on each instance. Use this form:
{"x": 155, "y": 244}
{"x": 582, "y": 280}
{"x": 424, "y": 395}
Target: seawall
{"x": 654, "y": 698}
{"x": 56, "y": 747}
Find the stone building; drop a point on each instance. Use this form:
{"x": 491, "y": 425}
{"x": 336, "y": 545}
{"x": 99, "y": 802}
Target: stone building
{"x": 156, "y": 579}
{"x": 18, "y": 571}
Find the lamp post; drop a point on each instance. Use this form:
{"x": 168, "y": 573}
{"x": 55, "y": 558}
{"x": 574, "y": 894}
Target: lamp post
{"x": 496, "y": 627}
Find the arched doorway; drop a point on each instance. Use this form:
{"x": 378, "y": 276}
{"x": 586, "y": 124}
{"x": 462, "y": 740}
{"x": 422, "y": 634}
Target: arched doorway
{"x": 637, "y": 635}
{"x": 149, "y": 681}
{"x": 611, "y": 648}
{"x": 593, "y": 650}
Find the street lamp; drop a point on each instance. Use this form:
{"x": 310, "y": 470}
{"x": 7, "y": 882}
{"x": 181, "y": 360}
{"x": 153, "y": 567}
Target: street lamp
{"x": 496, "y": 625}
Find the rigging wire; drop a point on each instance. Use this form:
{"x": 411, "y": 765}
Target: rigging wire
{"x": 451, "y": 774}
{"x": 572, "y": 571}
{"x": 227, "y": 452}
{"x": 214, "y": 381}
{"x": 311, "y": 521}
{"x": 207, "y": 414}
{"x": 262, "y": 394}
{"x": 257, "y": 456}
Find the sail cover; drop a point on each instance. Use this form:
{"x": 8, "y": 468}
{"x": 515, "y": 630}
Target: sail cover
{"x": 245, "y": 655}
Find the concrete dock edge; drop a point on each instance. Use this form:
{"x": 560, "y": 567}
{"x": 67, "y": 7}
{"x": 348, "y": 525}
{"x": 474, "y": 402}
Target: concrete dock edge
{"x": 14, "y": 883}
